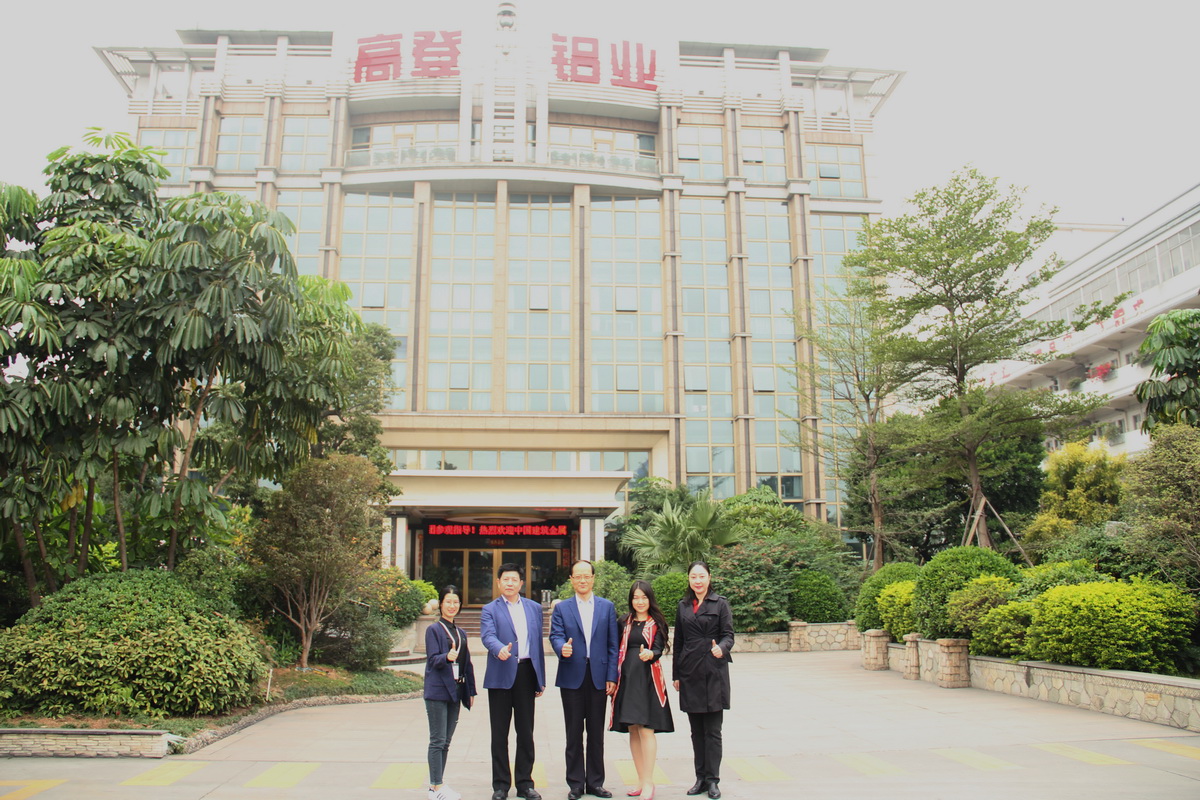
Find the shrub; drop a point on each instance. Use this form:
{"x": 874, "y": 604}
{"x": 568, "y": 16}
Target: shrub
{"x": 428, "y": 591}
{"x": 895, "y": 604}
{"x": 390, "y": 592}
{"x": 1036, "y": 580}
{"x": 354, "y": 638}
{"x": 126, "y": 643}
{"x": 866, "y": 612}
{"x": 967, "y": 606}
{"x": 816, "y": 598}
{"x": 218, "y": 575}
{"x": 947, "y": 571}
{"x": 612, "y": 583}
{"x": 669, "y": 590}
{"x": 756, "y": 575}
{"x": 1002, "y": 631}
{"x": 1141, "y": 625}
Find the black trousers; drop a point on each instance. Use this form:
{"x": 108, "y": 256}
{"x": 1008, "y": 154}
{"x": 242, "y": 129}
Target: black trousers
{"x": 584, "y": 711}
{"x": 706, "y": 744}
{"x": 513, "y": 706}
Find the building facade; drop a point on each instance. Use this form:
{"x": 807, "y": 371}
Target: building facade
{"x": 588, "y": 250}
{"x": 1156, "y": 261}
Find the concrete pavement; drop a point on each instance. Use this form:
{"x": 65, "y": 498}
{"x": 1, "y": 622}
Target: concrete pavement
{"x": 802, "y": 725}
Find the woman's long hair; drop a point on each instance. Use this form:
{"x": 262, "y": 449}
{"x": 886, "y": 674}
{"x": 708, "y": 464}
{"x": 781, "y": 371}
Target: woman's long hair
{"x": 688, "y": 593}
{"x": 653, "y": 611}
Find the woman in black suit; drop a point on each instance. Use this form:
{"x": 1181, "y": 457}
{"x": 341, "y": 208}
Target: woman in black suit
{"x": 449, "y": 683}
{"x": 703, "y": 638}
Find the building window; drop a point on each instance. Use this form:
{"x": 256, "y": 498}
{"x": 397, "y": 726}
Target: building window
{"x": 239, "y": 144}
{"x": 835, "y": 170}
{"x": 305, "y": 144}
{"x": 701, "y": 156}
{"x": 763, "y": 154}
{"x": 177, "y": 150}
{"x": 403, "y": 143}
{"x": 600, "y": 148}
{"x": 306, "y": 209}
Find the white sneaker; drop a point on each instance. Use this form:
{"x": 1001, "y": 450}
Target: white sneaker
{"x": 449, "y": 793}
{"x": 437, "y": 794}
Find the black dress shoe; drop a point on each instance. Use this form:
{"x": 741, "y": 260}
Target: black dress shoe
{"x": 599, "y": 791}
{"x": 530, "y": 794}
{"x": 574, "y": 794}
{"x": 714, "y": 791}
{"x": 697, "y": 788}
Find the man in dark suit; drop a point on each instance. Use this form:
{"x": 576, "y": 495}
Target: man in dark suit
{"x": 583, "y": 632}
{"x": 510, "y": 628}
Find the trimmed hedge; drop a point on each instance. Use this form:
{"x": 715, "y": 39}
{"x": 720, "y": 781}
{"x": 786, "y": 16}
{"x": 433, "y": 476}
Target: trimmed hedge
{"x": 390, "y": 592}
{"x": 968, "y": 605}
{"x": 1036, "y": 580}
{"x": 895, "y": 605}
{"x": 816, "y": 597}
{"x": 1002, "y": 631}
{"x": 946, "y": 572}
{"x": 668, "y": 591}
{"x": 866, "y": 612}
{"x": 1141, "y": 625}
{"x": 135, "y": 642}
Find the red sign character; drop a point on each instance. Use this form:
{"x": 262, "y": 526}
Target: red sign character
{"x": 636, "y": 73}
{"x": 435, "y": 54}
{"x": 582, "y": 65}
{"x": 378, "y": 58}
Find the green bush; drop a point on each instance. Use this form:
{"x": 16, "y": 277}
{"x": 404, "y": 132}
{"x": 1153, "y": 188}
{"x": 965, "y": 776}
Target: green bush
{"x": 866, "y": 612}
{"x": 391, "y": 593}
{"x": 1003, "y": 630}
{"x": 127, "y": 643}
{"x": 895, "y": 603}
{"x": 668, "y": 591}
{"x": 947, "y": 571}
{"x": 428, "y": 591}
{"x": 612, "y": 583}
{"x": 354, "y": 638}
{"x": 967, "y": 606}
{"x": 817, "y": 598}
{"x": 1141, "y": 625}
{"x": 218, "y": 575}
{"x": 1036, "y": 580}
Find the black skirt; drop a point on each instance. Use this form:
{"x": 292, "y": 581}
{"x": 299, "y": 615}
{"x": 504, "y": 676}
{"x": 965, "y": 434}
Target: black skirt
{"x": 636, "y": 702}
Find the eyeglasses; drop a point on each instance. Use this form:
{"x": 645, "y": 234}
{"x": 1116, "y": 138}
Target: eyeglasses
{"x": 583, "y": 577}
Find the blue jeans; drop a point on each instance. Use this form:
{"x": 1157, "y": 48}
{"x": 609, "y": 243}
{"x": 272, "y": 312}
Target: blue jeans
{"x": 443, "y": 719}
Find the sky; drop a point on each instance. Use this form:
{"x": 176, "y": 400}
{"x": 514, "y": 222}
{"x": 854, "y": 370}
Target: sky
{"x": 1092, "y": 106}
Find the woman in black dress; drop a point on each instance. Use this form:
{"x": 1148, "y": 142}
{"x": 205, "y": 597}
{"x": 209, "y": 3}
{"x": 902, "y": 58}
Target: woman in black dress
{"x": 703, "y": 638}
{"x": 640, "y": 706}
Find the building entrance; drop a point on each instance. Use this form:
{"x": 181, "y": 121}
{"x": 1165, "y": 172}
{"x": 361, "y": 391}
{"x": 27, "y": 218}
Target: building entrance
{"x": 450, "y": 565}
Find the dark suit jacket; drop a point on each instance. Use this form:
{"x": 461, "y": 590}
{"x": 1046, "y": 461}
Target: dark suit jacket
{"x": 565, "y": 623}
{"x": 439, "y": 674}
{"x": 703, "y": 679}
{"x": 496, "y": 630}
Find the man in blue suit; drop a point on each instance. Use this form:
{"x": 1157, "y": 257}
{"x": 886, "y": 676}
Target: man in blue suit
{"x": 583, "y": 632}
{"x": 510, "y": 628}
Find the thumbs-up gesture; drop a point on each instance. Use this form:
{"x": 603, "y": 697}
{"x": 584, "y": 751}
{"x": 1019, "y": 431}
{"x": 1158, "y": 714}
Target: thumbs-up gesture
{"x": 505, "y": 652}
{"x": 716, "y": 650}
{"x": 645, "y": 655}
{"x": 452, "y": 654}
{"x": 568, "y": 649}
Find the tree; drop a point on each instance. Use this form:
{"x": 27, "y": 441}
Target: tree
{"x": 315, "y": 548}
{"x": 951, "y": 280}
{"x": 850, "y": 378}
{"x": 673, "y": 538}
{"x": 1172, "y": 392}
{"x": 1083, "y": 487}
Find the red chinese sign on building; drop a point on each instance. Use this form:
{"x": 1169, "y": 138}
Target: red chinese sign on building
{"x": 438, "y": 529}
{"x": 381, "y": 58}
{"x": 434, "y": 54}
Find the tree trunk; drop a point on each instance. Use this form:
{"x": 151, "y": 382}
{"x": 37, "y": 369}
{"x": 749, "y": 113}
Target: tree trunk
{"x": 88, "y": 513}
{"x": 51, "y": 583}
{"x": 118, "y": 513}
{"x": 72, "y": 532}
{"x": 27, "y": 566}
{"x": 981, "y": 527}
{"x": 876, "y": 520}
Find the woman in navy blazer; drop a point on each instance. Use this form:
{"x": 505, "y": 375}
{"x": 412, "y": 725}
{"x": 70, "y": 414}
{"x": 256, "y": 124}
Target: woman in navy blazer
{"x": 449, "y": 682}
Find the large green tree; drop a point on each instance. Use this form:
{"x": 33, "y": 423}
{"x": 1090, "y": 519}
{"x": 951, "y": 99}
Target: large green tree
{"x": 1163, "y": 489}
{"x": 951, "y": 279}
{"x": 1172, "y": 392}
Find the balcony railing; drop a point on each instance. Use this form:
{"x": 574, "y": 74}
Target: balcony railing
{"x": 562, "y": 157}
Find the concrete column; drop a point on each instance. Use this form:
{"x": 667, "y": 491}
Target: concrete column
{"x": 954, "y": 668}
{"x": 875, "y": 649}
{"x": 798, "y": 641}
{"x": 585, "y": 539}
{"x": 387, "y": 545}
{"x": 400, "y": 551}
{"x": 912, "y": 657}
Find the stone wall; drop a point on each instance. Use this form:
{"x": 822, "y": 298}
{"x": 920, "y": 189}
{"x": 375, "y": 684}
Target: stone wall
{"x": 73, "y": 742}
{"x": 801, "y": 637}
{"x": 1142, "y": 696}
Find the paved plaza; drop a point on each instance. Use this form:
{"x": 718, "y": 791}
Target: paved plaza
{"x": 802, "y": 725}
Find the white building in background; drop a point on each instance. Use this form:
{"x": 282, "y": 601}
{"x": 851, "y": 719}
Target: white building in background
{"x": 588, "y": 251}
{"x": 1157, "y": 260}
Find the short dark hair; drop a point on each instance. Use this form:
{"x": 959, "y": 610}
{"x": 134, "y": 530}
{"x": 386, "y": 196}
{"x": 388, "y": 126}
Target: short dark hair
{"x": 509, "y": 566}
{"x": 583, "y": 561}
{"x": 447, "y": 589}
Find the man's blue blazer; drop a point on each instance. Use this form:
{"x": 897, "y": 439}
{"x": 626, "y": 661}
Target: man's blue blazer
{"x": 496, "y": 630}
{"x": 565, "y": 623}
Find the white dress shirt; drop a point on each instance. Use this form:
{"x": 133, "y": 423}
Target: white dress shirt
{"x": 587, "y": 612}
{"x": 521, "y": 626}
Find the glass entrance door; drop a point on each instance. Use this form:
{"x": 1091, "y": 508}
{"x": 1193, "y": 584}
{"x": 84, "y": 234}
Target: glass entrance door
{"x": 540, "y": 568}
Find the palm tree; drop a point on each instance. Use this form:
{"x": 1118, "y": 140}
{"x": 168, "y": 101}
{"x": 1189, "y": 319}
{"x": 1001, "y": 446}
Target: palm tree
{"x": 673, "y": 538}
